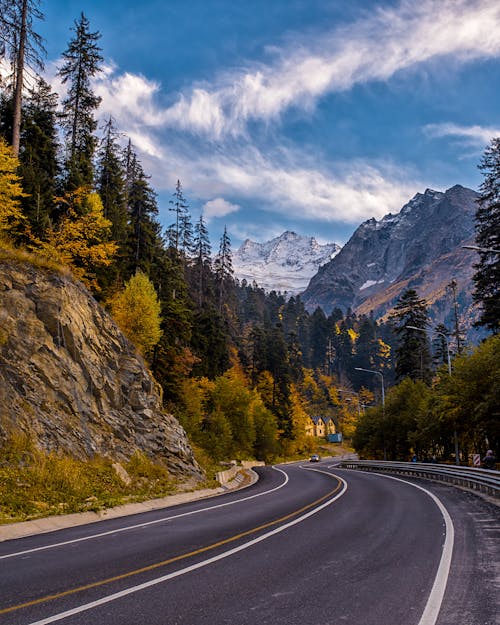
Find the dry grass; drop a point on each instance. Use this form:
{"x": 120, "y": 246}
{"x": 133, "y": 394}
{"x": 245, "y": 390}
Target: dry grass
{"x": 13, "y": 254}
{"x": 35, "y": 484}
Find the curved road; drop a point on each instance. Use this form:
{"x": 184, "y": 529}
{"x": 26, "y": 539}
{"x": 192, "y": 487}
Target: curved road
{"x": 308, "y": 544}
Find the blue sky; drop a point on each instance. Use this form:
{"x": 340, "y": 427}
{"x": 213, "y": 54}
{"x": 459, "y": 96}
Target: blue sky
{"x": 309, "y": 115}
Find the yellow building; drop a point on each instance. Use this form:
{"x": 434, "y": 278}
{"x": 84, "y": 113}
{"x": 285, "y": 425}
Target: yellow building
{"x": 320, "y": 426}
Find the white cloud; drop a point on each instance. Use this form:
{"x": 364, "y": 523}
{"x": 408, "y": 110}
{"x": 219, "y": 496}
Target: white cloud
{"x": 376, "y": 48}
{"x": 219, "y": 208}
{"x": 473, "y": 135}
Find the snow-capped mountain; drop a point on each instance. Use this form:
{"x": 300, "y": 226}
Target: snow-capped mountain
{"x": 286, "y": 263}
{"x": 420, "y": 247}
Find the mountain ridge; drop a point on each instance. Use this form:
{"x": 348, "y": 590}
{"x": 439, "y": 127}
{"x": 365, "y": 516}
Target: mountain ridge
{"x": 420, "y": 247}
{"x": 285, "y": 263}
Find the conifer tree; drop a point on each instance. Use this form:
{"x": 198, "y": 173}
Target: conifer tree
{"x": 178, "y": 238}
{"x": 144, "y": 230}
{"x": 223, "y": 267}
{"x": 413, "y": 358}
{"x": 39, "y": 157}
{"x": 487, "y": 276}
{"x": 202, "y": 265}
{"x": 81, "y": 62}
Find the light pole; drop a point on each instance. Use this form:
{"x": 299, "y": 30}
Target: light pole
{"x": 383, "y": 401}
{"x": 342, "y": 390}
{"x": 455, "y": 435}
{"x": 476, "y": 248}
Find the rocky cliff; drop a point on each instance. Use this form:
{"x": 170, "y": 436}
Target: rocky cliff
{"x": 72, "y": 381}
{"x": 419, "y": 248}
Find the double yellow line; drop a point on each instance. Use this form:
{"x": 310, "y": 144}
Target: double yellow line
{"x": 183, "y": 556}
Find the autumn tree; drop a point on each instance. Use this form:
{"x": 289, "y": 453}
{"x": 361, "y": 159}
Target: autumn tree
{"x": 137, "y": 311}
{"x": 81, "y": 237}
{"x": 81, "y": 62}
{"x": 11, "y": 191}
{"x": 487, "y": 276}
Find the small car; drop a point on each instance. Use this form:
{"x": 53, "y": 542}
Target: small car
{"x": 314, "y": 458}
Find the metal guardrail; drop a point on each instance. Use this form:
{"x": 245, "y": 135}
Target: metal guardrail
{"x": 481, "y": 480}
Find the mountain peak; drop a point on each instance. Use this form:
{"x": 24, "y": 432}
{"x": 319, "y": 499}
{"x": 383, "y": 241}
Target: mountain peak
{"x": 285, "y": 263}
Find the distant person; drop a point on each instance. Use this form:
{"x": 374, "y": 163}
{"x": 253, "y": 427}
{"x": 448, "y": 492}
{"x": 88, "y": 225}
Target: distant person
{"x": 489, "y": 461}
{"x": 414, "y": 458}
{"x": 434, "y": 460}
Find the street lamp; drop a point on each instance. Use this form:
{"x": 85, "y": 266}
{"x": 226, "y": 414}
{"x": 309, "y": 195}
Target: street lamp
{"x": 455, "y": 435}
{"x": 476, "y": 248}
{"x": 383, "y": 400}
{"x": 342, "y": 390}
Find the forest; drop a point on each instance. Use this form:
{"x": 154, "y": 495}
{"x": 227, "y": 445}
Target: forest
{"x": 242, "y": 369}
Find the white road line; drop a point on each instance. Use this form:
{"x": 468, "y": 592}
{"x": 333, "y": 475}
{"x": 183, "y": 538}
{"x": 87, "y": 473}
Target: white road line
{"x": 433, "y": 606}
{"x": 146, "y": 524}
{"x": 193, "y": 567}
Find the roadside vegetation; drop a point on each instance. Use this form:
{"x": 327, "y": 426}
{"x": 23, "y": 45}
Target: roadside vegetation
{"x": 36, "y": 484}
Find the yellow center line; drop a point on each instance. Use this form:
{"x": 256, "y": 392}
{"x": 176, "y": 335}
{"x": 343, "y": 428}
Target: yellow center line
{"x": 183, "y": 556}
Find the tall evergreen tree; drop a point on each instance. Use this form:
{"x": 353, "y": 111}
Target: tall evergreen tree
{"x": 413, "y": 358}
{"x": 39, "y": 157}
{"x": 223, "y": 267}
{"x": 82, "y": 61}
{"x": 176, "y": 235}
{"x": 202, "y": 265}
{"x": 487, "y": 276}
{"x": 144, "y": 231}
{"x": 111, "y": 183}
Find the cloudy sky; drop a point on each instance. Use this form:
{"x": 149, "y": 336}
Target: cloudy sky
{"x": 309, "y": 115}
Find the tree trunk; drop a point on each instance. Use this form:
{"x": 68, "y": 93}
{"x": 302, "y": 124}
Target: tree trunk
{"x": 18, "y": 93}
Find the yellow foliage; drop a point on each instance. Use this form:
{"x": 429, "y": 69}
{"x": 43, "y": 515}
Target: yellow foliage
{"x": 353, "y": 334}
{"x": 137, "y": 310}
{"x": 299, "y": 414}
{"x": 10, "y": 189}
{"x": 81, "y": 239}
{"x": 384, "y": 350}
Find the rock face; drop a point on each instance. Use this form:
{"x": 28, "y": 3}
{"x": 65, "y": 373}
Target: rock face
{"x": 72, "y": 381}
{"x": 286, "y": 263}
{"x": 418, "y": 248}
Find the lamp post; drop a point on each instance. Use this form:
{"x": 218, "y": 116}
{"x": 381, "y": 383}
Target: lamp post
{"x": 476, "y": 248}
{"x": 342, "y": 390}
{"x": 383, "y": 401}
{"x": 455, "y": 435}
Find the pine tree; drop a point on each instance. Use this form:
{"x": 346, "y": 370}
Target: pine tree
{"x": 202, "y": 265}
{"x": 144, "y": 232}
{"x": 82, "y": 62}
{"x": 38, "y": 156}
{"x": 487, "y": 276}
{"x": 413, "y": 358}
{"x": 223, "y": 268}
{"x": 177, "y": 237}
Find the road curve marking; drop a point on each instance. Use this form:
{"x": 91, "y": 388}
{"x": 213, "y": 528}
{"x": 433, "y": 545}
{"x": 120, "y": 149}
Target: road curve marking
{"x": 433, "y": 606}
{"x": 146, "y": 524}
{"x": 312, "y": 508}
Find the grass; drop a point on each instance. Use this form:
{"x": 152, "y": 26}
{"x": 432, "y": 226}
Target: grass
{"x": 13, "y": 254}
{"x": 35, "y": 484}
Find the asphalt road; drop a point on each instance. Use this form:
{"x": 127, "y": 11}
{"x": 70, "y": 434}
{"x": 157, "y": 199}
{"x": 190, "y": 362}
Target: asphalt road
{"x": 308, "y": 544}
